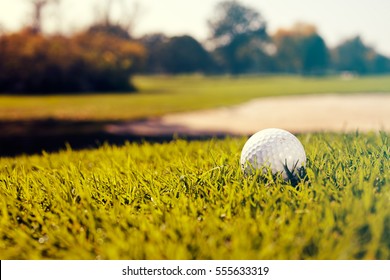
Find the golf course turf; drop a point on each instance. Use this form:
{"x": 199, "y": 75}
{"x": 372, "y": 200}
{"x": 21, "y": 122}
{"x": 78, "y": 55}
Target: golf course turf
{"x": 185, "y": 199}
{"x": 190, "y": 200}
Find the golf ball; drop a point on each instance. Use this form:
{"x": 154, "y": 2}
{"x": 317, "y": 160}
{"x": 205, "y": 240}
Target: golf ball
{"x": 276, "y": 149}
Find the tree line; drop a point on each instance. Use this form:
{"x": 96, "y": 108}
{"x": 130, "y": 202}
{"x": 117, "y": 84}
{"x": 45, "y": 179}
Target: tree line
{"x": 104, "y": 56}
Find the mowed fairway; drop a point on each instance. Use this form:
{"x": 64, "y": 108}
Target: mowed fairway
{"x": 189, "y": 200}
{"x": 159, "y": 95}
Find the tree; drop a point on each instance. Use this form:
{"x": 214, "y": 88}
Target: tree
{"x": 125, "y": 23}
{"x": 380, "y": 64}
{"x": 179, "y": 54}
{"x": 351, "y": 55}
{"x": 110, "y": 60}
{"x": 38, "y": 6}
{"x": 315, "y": 55}
{"x": 111, "y": 29}
{"x": 300, "y": 50}
{"x": 2, "y": 30}
{"x": 183, "y": 54}
{"x": 231, "y": 20}
{"x": 237, "y": 33}
{"x": 254, "y": 56}
{"x": 154, "y": 44}
{"x": 85, "y": 62}
{"x": 354, "y": 56}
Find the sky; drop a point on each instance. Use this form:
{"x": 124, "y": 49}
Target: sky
{"x": 336, "y": 20}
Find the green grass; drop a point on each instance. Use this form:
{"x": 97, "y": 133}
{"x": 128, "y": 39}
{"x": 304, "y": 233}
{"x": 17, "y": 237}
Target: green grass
{"x": 161, "y": 95}
{"x": 189, "y": 200}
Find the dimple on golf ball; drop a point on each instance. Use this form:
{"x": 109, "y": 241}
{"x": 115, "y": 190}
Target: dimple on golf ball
{"x": 276, "y": 149}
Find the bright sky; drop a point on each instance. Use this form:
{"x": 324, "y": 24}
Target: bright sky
{"x": 335, "y": 19}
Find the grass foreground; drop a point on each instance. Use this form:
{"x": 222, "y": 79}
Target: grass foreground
{"x": 190, "y": 200}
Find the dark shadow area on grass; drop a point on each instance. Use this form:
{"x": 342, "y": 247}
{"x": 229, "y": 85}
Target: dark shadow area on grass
{"x": 34, "y": 137}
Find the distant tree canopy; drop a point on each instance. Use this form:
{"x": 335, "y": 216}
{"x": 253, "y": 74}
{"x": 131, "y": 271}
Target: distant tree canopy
{"x": 88, "y": 61}
{"x": 105, "y": 55}
{"x": 300, "y": 50}
{"x": 38, "y": 7}
{"x": 109, "y": 29}
{"x": 239, "y": 37}
{"x": 153, "y": 44}
{"x": 179, "y": 54}
{"x": 353, "y": 56}
{"x": 183, "y": 54}
{"x": 233, "y": 20}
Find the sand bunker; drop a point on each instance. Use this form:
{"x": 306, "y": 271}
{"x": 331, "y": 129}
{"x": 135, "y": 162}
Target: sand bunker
{"x": 325, "y": 112}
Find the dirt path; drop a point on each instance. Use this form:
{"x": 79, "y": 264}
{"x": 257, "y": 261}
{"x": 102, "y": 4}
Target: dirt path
{"x": 326, "y": 112}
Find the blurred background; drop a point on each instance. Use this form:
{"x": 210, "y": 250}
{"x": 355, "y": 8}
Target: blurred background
{"x": 70, "y": 47}
{"x": 83, "y": 46}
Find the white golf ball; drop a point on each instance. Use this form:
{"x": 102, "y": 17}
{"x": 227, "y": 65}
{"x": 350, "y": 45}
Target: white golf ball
{"x": 276, "y": 149}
